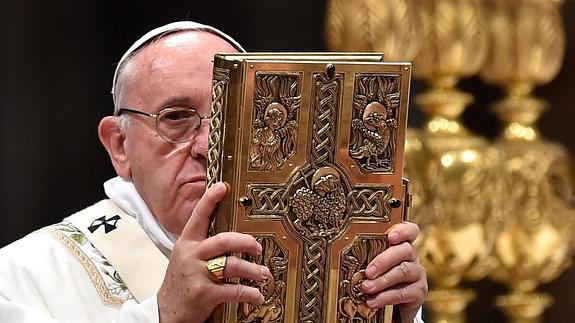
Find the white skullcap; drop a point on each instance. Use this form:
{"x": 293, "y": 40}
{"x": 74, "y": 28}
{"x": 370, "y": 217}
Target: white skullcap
{"x": 170, "y": 28}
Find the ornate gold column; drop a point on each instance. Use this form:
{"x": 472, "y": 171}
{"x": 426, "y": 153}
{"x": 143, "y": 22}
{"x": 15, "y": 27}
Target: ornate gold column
{"x": 459, "y": 165}
{"x": 394, "y": 28}
{"x": 449, "y": 166}
{"x": 535, "y": 245}
{"x": 387, "y": 26}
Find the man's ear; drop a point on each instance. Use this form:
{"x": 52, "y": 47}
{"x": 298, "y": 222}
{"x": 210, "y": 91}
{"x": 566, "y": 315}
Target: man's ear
{"x": 113, "y": 140}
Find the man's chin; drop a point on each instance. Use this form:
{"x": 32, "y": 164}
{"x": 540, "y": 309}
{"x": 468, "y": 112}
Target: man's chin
{"x": 181, "y": 214}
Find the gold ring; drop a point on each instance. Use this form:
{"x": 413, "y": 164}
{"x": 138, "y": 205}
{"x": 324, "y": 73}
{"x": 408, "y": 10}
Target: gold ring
{"x": 216, "y": 266}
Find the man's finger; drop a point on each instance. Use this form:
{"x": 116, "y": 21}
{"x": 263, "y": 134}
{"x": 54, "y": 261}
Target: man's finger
{"x": 238, "y": 293}
{"x": 403, "y": 232}
{"x": 227, "y": 242}
{"x": 405, "y": 272}
{"x": 400, "y": 294}
{"x": 240, "y": 268}
{"x": 390, "y": 258}
{"x": 197, "y": 226}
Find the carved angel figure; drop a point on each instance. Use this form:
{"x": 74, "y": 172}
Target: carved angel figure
{"x": 273, "y": 139}
{"x": 274, "y": 126}
{"x": 373, "y": 133}
{"x": 321, "y": 208}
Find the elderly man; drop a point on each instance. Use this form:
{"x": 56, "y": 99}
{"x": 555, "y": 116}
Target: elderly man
{"x": 141, "y": 255}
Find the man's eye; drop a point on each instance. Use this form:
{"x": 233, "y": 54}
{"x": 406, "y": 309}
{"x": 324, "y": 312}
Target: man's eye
{"x": 178, "y": 115}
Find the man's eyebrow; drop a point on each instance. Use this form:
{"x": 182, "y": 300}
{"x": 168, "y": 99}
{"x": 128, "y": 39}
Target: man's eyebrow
{"x": 176, "y": 101}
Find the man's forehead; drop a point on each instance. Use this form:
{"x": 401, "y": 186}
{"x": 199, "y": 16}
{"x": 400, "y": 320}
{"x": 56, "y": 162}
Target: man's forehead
{"x": 197, "y": 47}
{"x": 168, "y": 29}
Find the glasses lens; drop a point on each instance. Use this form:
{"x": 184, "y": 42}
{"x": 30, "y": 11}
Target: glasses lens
{"x": 178, "y": 125}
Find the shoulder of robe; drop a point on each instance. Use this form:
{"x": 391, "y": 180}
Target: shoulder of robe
{"x": 59, "y": 255}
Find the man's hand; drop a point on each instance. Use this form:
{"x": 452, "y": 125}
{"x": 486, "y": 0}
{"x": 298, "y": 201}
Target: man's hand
{"x": 190, "y": 292}
{"x": 396, "y": 277}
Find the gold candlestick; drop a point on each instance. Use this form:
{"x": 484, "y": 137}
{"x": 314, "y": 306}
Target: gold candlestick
{"x": 448, "y": 165}
{"x": 460, "y": 165}
{"x": 388, "y": 26}
{"x": 535, "y": 244}
{"x": 394, "y": 28}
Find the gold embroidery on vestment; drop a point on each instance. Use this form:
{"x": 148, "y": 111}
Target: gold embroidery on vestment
{"x": 107, "y": 298}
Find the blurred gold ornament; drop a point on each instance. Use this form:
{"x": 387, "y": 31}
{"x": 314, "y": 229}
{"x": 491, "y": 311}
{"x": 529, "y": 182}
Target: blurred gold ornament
{"x": 535, "y": 244}
{"x": 449, "y": 166}
{"x": 388, "y": 26}
{"x": 459, "y": 169}
{"x": 394, "y": 28}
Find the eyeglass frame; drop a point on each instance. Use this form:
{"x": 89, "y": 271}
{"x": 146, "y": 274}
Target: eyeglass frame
{"x": 156, "y": 118}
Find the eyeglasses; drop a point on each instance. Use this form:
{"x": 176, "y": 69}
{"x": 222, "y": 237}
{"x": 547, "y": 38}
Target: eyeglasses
{"x": 176, "y": 125}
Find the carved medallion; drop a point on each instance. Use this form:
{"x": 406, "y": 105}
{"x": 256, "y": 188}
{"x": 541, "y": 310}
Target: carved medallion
{"x": 274, "y": 127}
{"x": 375, "y": 120}
{"x": 319, "y": 210}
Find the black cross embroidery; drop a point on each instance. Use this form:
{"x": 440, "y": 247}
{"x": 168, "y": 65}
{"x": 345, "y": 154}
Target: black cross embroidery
{"x": 109, "y": 224}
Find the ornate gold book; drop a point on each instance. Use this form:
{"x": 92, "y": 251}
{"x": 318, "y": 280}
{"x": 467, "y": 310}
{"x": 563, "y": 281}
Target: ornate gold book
{"x": 312, "y": 146}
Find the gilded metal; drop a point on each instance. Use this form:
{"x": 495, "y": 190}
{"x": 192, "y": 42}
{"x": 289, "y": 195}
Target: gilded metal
{"x": 376, "y": 99}
{"x": 366, "y": 202}
{"x": 216, "y": 266}
{"x": 270, "y": 201}
{"x": 450, "y": 166}
{"x": 390, "y": 26}
{"x": 534, "y": 26}
{"x": 458, "y": 174}
{"x": 319, "y": 210}
{"x": 287, "y": 129}
{"x": 536, "y": 241}
{"x": 327, "y": 94}
{"x": 219, "y": 96}
{"x": 274, "y": 127}
{"x": 477, "y": 204}
{"x": 275, "y": 257}
{"x": 351, "y": 302}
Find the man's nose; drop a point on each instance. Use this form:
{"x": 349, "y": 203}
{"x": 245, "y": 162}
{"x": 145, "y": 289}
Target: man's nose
{"x": 200, "y": 141}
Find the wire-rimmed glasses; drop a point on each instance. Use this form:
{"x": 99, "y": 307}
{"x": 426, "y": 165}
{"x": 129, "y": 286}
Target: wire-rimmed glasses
{"x": 175, "y": 125}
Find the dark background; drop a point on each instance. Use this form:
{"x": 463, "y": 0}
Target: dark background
{"x": 57, "y": 59}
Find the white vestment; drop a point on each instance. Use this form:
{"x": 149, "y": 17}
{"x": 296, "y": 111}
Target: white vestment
{"x": 57, "y": 275}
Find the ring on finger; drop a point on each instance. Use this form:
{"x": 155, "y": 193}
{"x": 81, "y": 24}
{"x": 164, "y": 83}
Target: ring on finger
{"x": 216, "y": 266}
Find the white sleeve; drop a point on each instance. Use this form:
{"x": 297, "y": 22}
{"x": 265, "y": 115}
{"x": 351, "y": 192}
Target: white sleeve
{"x": 130, "y": 312}
{"x": 41, "y": 282}
{"x": 418, "y": 318}
{"x": 12, "y": 312}
{"x": 145, "y": 312}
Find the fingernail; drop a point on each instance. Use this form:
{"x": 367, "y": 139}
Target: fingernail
{"x": 228, "y": 186}
{"x": 392, "y": 237}
{"x": 259, "y": 249}
{"x": 371, "y": 271}
{"x": 370, "y": 302}
{"x": 261, "y": 299}
{"x": 265, "y": 272}
{"x": 368, "y": 285}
